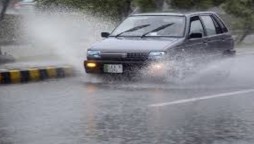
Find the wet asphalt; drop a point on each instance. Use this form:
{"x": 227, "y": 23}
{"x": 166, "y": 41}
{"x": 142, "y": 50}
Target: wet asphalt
{"x": 85, "y": 110}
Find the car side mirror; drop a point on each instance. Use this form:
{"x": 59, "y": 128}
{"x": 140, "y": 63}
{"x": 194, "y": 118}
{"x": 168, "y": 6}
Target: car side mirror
{"x": 195, "y": 35}
{"x": 105, "y": 34}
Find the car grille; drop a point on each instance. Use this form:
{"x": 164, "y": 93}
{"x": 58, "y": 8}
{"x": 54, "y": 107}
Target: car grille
{"x": 141, "y": 56}
{"x": 127, "y": 57}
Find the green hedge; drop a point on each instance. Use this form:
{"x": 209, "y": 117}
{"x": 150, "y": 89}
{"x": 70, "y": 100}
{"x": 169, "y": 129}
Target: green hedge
{"x": 10, "y": 31}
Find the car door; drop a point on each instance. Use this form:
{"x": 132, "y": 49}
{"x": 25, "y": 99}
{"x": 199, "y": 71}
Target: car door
{"x": 213, "y": 38}
{"x": 195, "y": 46}
{"x": 227, "y": 41}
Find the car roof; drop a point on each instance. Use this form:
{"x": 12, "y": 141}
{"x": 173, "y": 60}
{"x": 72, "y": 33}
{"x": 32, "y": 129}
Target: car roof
{"x": 187, "y": 14}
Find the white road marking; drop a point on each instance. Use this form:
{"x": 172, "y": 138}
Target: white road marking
{"x": 183, "y": 101}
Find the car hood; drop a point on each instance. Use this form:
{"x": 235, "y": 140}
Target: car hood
{"x": 117, "y": 45}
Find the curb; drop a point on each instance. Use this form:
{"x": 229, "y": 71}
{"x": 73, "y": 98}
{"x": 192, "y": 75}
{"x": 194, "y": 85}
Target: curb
{"x": 13, "y": 76}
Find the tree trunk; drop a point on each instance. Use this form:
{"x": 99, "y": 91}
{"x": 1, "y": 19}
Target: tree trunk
{"x": 243, "y": 36}
{"x": 159, "y": 4}
{"x": 5, "y": 4}
{"x": 126, "y": 9}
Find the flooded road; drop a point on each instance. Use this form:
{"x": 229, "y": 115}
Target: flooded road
{"x": 83, "y": 110}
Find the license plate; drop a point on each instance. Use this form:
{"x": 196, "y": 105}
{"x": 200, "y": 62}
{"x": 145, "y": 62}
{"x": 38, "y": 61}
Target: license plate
{"x": 111, "y": 68}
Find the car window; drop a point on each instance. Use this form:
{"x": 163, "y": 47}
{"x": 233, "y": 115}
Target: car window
{"x": 222, "y": 25}
{"x": 209, "y": 25}
{"x": 219, "y": 29}
{"x": 196, "y": 26}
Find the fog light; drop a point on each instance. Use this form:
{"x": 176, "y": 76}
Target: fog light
{"x": 158, "y": 66}
{"x": 157, "y": 69}
{"x": 91, "y": 65}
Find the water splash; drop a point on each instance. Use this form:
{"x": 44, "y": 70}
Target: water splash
{"x": 64, "y": 36}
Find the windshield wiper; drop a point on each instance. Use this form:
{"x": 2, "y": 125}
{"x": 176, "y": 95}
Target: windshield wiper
{"x": 133, "y": 29}
{"x": 158, "y": 29}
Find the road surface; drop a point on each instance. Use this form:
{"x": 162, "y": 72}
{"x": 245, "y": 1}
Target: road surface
{"x": 208, "y": 109}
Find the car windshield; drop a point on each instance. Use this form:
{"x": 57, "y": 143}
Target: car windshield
{"x": 161, "y": 26}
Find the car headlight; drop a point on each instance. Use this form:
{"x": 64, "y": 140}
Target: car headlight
{"x": 156, "y": 55}
{"x": 93, "y": 54}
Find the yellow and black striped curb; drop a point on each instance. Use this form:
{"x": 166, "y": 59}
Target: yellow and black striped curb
{"x": 34, "y": 74}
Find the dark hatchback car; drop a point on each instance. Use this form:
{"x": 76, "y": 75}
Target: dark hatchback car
{"x": 144, "y": 40}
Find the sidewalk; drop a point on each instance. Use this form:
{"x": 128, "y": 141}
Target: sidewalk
{"x": 6, "y": 58}
{"x": 245, "y": 50}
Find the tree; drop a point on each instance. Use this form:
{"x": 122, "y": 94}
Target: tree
{"x": 145, "y": 5}
{"x": 108, "y": 8}
{"x": 5, "y": 4}
{"x": 118, "y": 9}
{"x": 194, "y": 4}
{"x": 243, "y": 10}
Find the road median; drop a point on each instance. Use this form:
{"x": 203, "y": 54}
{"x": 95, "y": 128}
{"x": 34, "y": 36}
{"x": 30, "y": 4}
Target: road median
{"x": 30, "y": 74}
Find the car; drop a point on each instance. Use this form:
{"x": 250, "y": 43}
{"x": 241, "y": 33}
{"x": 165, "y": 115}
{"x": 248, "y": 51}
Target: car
{"x": 153, "y": 42}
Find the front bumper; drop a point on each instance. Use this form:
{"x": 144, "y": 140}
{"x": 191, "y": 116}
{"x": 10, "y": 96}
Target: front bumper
{"x": 128, "y": 66}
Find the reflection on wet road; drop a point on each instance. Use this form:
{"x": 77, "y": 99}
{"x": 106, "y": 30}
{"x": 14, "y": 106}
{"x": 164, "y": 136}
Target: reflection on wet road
{"x": 78, "y": 110}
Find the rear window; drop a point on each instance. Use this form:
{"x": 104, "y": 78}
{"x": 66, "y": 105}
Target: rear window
{"x": 222, "y": 25}
{"x": 209, "y": 25}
